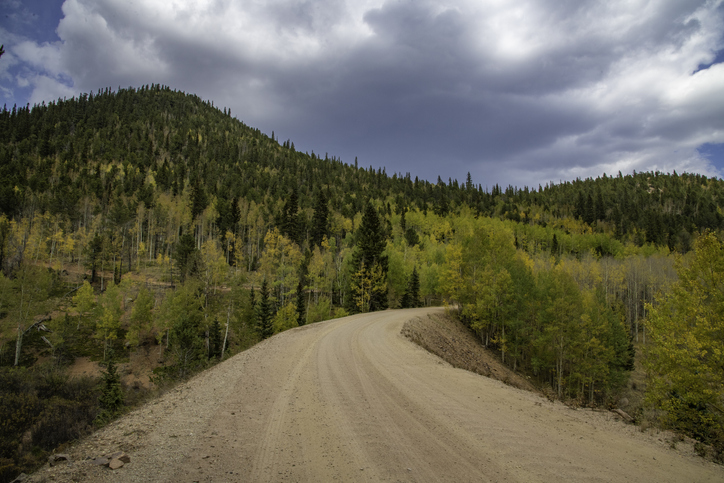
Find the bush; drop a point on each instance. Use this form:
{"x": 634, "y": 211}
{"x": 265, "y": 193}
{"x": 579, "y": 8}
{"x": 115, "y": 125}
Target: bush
{"x": 40, "y": 409}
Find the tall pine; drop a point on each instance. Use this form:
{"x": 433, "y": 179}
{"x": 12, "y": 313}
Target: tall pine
{"x": 369, "y": 265}
{"x": 320, "y": 219}
{"x": 264, "y": 312}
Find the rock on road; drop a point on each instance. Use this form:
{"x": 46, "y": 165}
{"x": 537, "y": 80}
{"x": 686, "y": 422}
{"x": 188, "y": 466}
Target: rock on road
{"x": 353, "y": 400}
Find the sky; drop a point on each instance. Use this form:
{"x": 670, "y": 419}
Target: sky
{"x": 514, "y": 92}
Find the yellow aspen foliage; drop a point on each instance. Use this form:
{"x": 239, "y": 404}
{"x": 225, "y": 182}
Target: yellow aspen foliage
{"x": 365, "y": 282}
{"x": 685, "y": 357}
{"x": 285, "y": 318}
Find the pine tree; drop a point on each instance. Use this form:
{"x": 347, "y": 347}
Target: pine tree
{"x": 413, "y": 289}
{"x": 186, "y": 256}
{"x": 199, "y": 201}
{"x": 320, "y": 219}
{"x": 111, "y": 399}
{"x": 301, "y": 305}
{"x": 554, "y": 246}
{"x": 215, "y": 339}
{"x": 264, "y": 312}
{"x": 186, "y": 334}
{"x": 369, "y": 266}
{"x": 290, "y": 218}
{"x": 411, "y": 297}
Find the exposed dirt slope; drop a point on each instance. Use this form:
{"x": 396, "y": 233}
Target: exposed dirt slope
{"x": 354, "y": 400}
{"x": 451, "y": 341}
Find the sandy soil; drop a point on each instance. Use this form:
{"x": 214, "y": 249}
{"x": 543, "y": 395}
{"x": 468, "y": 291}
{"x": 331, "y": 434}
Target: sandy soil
{"x": 354, "y": 400}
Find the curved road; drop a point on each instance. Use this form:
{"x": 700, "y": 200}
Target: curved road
{"x": 352, "y": 400}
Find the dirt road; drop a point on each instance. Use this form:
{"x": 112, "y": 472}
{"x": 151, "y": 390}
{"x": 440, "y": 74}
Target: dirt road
{"x": 353, "y": 400}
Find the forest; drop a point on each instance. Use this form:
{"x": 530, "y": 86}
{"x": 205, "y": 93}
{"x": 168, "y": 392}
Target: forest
{"x": 149, "y": 218}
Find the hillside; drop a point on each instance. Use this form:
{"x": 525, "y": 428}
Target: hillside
{"x": 149, "y": 225}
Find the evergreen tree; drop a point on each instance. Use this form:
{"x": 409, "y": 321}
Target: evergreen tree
{"x": 411, "y": 297}
{"x": 215, "y": 340}
{"x": 290, "y": 218}
{"x": 111, "y": 399}
{"x": 264, "y": 312}
{"x": 186, "y": 335}
{"x": 320, "y": 219}
{"x": 301, "y": 304}
{"x": 589, "y": 215}
{"x": 199, "y": 201}
{"x": 94, "y": 253}
{"x": 187, "y": 256}
{"x": 253, "y": 307}
{"x": 554, "y": 246}
{"x": 369, "y": 265}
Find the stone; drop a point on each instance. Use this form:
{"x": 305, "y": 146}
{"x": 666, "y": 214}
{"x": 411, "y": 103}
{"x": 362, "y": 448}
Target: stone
{"x": 55, "y": 459}
{"x": 623, "y": 414}
{"x": 102, "y": 461}
{"x": 115, "y": 464}
{"x": 119, "y": 455}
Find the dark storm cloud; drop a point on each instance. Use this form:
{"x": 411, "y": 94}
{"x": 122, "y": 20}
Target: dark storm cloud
{"x": 520, "y": 93}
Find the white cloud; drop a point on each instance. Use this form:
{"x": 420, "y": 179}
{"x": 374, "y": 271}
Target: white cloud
{"x": 543, "y": 88}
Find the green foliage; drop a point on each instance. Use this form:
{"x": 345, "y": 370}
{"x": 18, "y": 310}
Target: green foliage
{"x": 187, "y": 257}
{"x": 300, "y": 304}
{"x": 369, "y": 265}
{"x": 109, "y": 320}
{"x": 186, "y": 336}
{"x": 141, "y": 317}
{"x": 137, "y": 179}
{"x": 319, "y": 311}
{"x": 264, "y": 313}
{"x": 411, "y": 298}
{"x": 111, "y": 400}
{"x": 40, "y": 408}
{"x": 285, "y": 318}
{"x": 84, "y": 299}
{"x": 685, "y": 359}
{"x": 179, "y": 321}
{"x": 320, "y": 219}
{"x": 215, "y": 340}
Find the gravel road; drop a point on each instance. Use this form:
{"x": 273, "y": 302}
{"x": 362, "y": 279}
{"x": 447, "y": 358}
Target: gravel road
{"x": 353, "y": 400}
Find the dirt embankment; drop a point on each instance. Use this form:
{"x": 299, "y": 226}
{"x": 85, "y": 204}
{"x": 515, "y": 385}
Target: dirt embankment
{"x": 451, "y": 341}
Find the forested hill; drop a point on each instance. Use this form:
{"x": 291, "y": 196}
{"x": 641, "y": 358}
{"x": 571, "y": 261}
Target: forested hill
{"x": 151, "y": 225}
{"x": 109, "y": 151}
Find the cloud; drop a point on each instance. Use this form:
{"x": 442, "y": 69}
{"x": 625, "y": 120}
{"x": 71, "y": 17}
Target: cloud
{"x": 518, "y": 93}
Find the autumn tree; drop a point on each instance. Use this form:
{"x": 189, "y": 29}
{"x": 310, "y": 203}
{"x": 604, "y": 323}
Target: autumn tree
{"x": 25, "y": 299}
{"x": 685, "y": 357}
{"x": 141, "y": 317}
{"x": 109, "y": 321}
